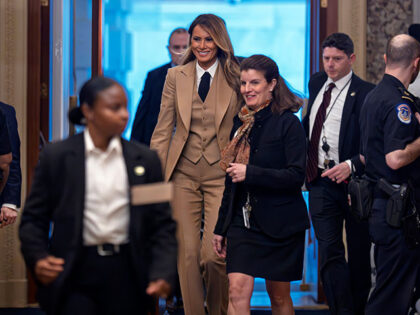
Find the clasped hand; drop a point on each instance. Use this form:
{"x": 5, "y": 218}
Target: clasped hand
{"x": 159, "y": 288}
{"x": 219, "y": 245}
{"x": 7, "y": 216}
{"x": 47, "y": 269}
{"x": 338, "y": 173}
{"x": 237, "y": 172}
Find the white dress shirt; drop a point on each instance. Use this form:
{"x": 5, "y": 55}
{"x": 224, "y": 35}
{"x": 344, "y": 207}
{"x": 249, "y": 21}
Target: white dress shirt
{"x": 332, "y": 123}
{"x": 106, "y": 213}
{"x": 200, "y": 71}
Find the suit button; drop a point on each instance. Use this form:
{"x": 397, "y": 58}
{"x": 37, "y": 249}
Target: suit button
{"x": 255, "y": 150}
{"x": 259, "y": 126}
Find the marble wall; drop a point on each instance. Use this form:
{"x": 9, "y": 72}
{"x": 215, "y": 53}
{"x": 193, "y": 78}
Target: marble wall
{"x": 384, "y": 19}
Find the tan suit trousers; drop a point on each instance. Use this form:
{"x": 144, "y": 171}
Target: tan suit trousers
{"x": 198, "y": 189}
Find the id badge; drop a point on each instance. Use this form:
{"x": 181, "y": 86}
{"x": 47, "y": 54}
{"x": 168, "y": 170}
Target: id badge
{"x": 246, "y": 213}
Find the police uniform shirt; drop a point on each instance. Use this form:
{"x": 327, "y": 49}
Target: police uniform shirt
{"x": 4, "y": 135}
{"x": 388, "y": 123}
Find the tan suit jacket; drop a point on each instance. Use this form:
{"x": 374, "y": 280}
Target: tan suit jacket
{"x": 175, "y": 110}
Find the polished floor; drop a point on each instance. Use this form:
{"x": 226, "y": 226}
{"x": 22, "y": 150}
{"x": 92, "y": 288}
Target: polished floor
{"x": 35, "y": 311}
{"x": 303, "y": 301}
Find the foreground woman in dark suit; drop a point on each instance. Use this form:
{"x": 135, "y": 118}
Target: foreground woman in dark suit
{"x": 104, "y": 255}
{"x": 262, "y": 219}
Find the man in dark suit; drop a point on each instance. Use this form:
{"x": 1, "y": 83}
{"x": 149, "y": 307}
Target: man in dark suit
{"x": 149, "y": 106}
{"x": 332, "y": 126}
{"x": 10, "y": 197}
{"x": 5, "y": 151}
{"x": 91, "y": 250}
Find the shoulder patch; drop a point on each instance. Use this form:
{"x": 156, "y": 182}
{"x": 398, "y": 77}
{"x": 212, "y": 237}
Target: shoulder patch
{"x": 403, "y": 113}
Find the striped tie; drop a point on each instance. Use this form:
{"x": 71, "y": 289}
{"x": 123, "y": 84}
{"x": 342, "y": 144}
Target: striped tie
{"x": 312, "y": 165}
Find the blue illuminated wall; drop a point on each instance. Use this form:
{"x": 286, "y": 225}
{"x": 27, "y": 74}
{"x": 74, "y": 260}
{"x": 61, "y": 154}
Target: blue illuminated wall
{"x": 136, "y": 33}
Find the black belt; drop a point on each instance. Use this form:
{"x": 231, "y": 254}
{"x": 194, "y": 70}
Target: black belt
{"x": 106, "y": 249}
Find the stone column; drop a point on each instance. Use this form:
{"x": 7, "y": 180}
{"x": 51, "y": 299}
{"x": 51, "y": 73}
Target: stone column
{"x": 352, "y": 21}
{"x": 13, "y": 67}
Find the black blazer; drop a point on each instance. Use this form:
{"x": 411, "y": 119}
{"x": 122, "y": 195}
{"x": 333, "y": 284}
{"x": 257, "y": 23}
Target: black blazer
{"x": 12, "y": 190}
{"x": 57, "y": 196}
{"x": 349, "y": 138}
{"x": 149, "y": 107}
{"x": 274, "y": 176}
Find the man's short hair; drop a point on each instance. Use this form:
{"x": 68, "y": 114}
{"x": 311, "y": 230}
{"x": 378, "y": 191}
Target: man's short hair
{"x": 340, "y": 41}
{"x": 178, "y": 30}
{"x": 401, "y": 50}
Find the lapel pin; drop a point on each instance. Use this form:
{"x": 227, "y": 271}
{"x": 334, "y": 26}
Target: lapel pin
{"x": 352, "y": 93}
{"x": 139, "y": 170}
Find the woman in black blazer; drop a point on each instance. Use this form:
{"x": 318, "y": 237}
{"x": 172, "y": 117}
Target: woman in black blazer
{"x": 263, "y": 218}
{"x": 104, "y": 255}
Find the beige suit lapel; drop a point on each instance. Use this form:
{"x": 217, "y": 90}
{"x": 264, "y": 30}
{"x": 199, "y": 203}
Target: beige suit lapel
{"x": 185, "y": 86}
{"x": 222, "y": 96}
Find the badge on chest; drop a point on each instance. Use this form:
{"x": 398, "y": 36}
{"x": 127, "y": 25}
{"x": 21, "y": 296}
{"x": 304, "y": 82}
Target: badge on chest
{"x": 328, "y": 162}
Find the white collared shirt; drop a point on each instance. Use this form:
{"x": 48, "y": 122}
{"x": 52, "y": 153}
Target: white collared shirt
{"x": 200, "y": 71}
{"x": 106, "y": 213}
{"x": 332, "y": 124}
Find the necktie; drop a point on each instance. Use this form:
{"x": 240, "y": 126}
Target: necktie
{"x": 312, "y": 165}
{"x": 204, "y": 86}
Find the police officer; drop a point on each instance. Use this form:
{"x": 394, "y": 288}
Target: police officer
{"x": 390, "y": 145}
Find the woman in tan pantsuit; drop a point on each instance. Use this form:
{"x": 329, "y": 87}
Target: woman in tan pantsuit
{"x": 190, "y": 156}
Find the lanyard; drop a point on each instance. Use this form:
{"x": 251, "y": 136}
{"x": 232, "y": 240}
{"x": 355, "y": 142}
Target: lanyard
{"x": 324, "y": 138}
{"x": 335, "y": 100}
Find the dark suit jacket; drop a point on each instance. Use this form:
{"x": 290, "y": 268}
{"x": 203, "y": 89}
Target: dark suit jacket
{"x": 148, "y": 110}
{"x": 274, "y": 176}
{"x": 349, "y": 138}
{"x": 57, "y": 196}
{"x": 11, "y": 192}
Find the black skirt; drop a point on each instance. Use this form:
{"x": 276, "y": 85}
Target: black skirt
{"x": 254, "y": 253}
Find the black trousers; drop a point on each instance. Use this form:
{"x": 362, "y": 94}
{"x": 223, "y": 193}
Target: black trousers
{"x": 103, "y": 285}
{"x": 346, "y": 283}
{"x": 397, "y": 266}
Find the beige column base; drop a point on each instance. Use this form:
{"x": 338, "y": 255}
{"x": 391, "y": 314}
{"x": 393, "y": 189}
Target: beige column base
{"x": 13, "y": 67}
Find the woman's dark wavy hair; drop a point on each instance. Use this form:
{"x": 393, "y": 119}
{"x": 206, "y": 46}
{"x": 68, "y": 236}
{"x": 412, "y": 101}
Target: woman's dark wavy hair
{"x": 283, "y": 97}
{"x": 88, "y": 95}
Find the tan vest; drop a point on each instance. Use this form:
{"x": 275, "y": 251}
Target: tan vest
{"x": 202, "y": 139}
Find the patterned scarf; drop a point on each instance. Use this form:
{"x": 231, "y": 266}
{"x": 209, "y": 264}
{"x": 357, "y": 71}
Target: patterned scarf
{"x": 237, "y": 151}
